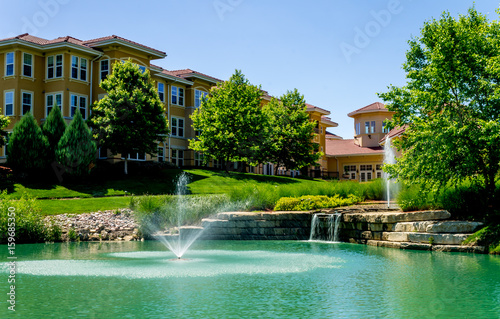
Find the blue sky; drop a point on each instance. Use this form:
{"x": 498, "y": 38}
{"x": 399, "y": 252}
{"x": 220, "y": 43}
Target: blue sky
{"x": 338, "y": 53}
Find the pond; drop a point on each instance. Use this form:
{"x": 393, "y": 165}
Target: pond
{"x": 249, "y": 279}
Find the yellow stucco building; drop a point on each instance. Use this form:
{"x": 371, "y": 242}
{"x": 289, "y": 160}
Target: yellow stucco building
{"x": 36, "y": 73}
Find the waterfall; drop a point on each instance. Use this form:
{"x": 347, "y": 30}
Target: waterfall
{"x": 325, "y": 227}
{"x": 389, "y": 158}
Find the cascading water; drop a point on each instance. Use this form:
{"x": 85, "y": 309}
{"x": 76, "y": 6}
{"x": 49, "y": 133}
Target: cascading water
{"x": 325, "y": 227}
{"x": 389, "y": 158}
{"x": 179, "y": 243}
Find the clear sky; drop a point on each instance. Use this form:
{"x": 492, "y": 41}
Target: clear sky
{"x": 338, "y": 53}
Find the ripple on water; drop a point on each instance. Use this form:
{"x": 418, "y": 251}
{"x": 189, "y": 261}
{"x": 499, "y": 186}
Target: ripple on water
{"x": 159, "y": 264}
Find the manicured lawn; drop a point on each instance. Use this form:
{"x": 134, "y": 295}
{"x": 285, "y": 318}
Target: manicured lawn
{"x": 83, "y": 205}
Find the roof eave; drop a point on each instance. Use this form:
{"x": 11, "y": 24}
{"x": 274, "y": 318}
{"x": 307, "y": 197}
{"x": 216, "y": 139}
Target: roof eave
{"x": 173, "y": 78}
{"x": 317, "y": 110}
{"x": 152, "y": 52}
{"x": 352, "y": 155}
{"x": 201, "y": 77}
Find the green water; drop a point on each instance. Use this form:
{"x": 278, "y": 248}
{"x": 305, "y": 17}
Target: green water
{"x": 226, "y": 279}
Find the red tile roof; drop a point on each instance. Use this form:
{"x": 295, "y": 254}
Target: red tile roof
{"x": 335, "y": 147}
{"x": 318, "y": 109}
{"x": 186, "y": 73}
{"x": 374, "y": 107}
{"x": 393, "y": 133}
{"x": 111, "y": 37}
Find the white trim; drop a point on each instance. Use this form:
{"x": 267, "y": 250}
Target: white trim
{"x": 163, "y": 91}
{"x": 79, "y": 68}
{"x": 53, "y": 94}
{"x": 31, "y": 93}
{"x": 173, "y": 78}
{"x": 13, "y": 63}
{"x": 201, "y": 97}
{"x": 154, "y": 53}
{"x": 32, "y": 65}
{"x": 54, "y": 67}
{"x": 13, "y": 102}
{"x": 177, "y": 126}
{"x": 177, "y": 95}
{"x": 79, "y": 96}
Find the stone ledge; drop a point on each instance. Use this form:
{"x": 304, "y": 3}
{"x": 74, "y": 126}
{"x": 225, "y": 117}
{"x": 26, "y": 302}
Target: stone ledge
{"x": 395, "y": 217}
{"x": 439, "y": 238}
{"x": 453, "y": 227}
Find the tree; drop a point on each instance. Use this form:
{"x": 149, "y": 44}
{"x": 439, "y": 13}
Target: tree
{"x": 130, "y": 118}
{"x": 450, "y": 104}
{"x": 53, "y": 128}
{"x": 231, "y": 121}
{"x": 4, "y": 121}
{"x": 27, "y": 147}
{"x": 290, "y": 143}
{"x": 76, "y": 151}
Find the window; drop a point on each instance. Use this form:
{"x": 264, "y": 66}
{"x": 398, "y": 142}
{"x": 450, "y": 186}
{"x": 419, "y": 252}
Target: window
{"x": 358, "y": 128}
{"x": 198, "y": 97}
{"x": 7, "y": 138}
{"x": 198, "y": 159}
{"x": 8, "y": 103}
{"x": 378, "y": 169}
{"x": 50, "y": 99}
{"x": 217, "y": 163}
{"x": 78, "y": 103}
{"x": 178, "y": 157}
{"x": 372, "y": 127}
{"x": 103, "y": 153}
{"x": 161, "y": 91}
{"x": 78, "y": 68}
{"x": 27, "y": 99}
{"x": 27, "y": 64}
{"x": 137, "y": 156}
{"x": 142, "y": 68}
{"x": 367, "y": 127}
{"x": 350, "y": 170}
{"x": 9, "y": 63}
{"x": 54, "y": 66}
{"x": 385, "y": 129}
{"x": 177, "y": 127}
{"x": 177, "y": 95}
{"x": 104, "y": 69}
{"x": 160, "y": 157}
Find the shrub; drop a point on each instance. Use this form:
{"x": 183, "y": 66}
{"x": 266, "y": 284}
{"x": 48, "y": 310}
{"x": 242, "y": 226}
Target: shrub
{"x": 29, "y": 226}
{"x": 314, "y": 202}
{"x": 488, "y": 236}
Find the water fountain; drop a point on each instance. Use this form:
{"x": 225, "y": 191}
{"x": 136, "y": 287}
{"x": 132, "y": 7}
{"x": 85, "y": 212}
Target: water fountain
{"x": 389, "y": 158}
{"x": 325, "y": 227}
{"x": 178, "y": 237}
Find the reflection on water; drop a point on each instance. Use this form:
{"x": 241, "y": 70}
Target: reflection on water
{"x": 268, "y": 279}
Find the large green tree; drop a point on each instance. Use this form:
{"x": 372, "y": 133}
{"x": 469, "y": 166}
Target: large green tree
{"x": 231, "y": 122}
{"x": 450, "y": 104}
{"x": 53, "y": 128}
{"x": 27, "y": 146}
{"x": 76, "y": 151}
{"x": 130, "y": 119}
{"x": 290, "y": 140}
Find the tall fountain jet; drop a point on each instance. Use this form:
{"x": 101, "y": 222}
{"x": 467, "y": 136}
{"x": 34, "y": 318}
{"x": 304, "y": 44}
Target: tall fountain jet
{"x": 180, "y": 243}
{"x": 389, "y": 158}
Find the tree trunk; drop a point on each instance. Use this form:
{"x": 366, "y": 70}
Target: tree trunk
{"x": 276, "y": 170}
{"x": 126, "y": 166}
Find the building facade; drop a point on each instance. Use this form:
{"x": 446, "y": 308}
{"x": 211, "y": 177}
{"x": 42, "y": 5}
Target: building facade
{"x": 36, "y": 73}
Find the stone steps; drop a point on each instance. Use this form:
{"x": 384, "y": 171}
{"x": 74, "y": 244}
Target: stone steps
{"x": 434, "y": 226}
{"x": 422, "y": 246}
{"x": 414, "y": 237}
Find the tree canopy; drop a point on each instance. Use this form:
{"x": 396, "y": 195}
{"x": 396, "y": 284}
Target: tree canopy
{"x": 290, "y": 140}
{"x": 450, "y": 104}
{"x": 53, "y": 128}
{"x": 4, "y": 121}
{"x": 231, "y": 122}
{"x": 130, "y": 119}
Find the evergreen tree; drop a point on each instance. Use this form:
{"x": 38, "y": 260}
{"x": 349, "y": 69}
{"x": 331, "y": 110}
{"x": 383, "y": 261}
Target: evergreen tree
{"x": 76, "y": 151}
{"x": 28, "y": 146}
{"x": 4, "y": 121}
{"x": 130, "y": 118}
{"x": 53, "y": 129}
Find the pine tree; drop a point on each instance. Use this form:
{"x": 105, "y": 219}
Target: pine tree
{"x": 53, "y": 129}
{"x": 76, "y": 151}
{"x": 28, "y": 146}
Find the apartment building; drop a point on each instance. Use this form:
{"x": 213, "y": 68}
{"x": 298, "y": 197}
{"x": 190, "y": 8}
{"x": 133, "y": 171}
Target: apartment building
{"x": 36, "y": 73}
{"x": 362, "y": 157}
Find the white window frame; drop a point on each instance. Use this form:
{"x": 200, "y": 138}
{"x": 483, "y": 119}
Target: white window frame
{"x": 82, "y": 109}
{"x": 54, "y": 98}
{"x": 177, "y": 97}
{"x": 79, "y": 69}
{"x": 13, "y": 63}
{"x": 55, "y": 66}
{"x": 99, "y": 152}
{"x": 175, "y": 158}
{"x": 367, "y": 127}
{"x": 32, "y": 68}
{"x": 22, "y": 102}
{"x": 358, "y": 128}
{"x": 101, "y": 71}
{"x": 160, "y": 154}
{"x": 198, "y": 97}
{"x": 136, "y": 157}
{"x": 199, "y": 159}
{"x": 4, "y": 148}
{"x": 175, "y": 128}
{"x": 372, "y": 127}
{"x": 162, "y": 91}
{"x": 385, "y": 129}
{"x": 13, "y": 93}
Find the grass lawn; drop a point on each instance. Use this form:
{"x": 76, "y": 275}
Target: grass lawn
{"x": 82, "y": 205}
{"x": 105, "y": 194}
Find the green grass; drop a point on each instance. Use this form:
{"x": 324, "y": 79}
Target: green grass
{"x": 83, "y": 205}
